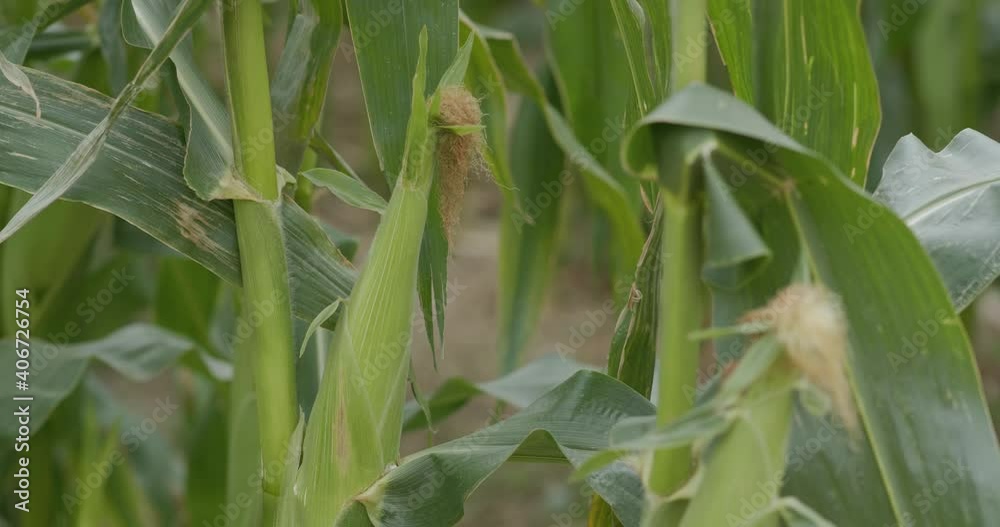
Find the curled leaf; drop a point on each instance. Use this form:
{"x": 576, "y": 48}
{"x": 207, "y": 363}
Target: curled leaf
{"x": 17, "y": 77}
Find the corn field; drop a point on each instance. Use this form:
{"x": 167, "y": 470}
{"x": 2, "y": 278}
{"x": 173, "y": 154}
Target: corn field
{"x": 732, "y": 263}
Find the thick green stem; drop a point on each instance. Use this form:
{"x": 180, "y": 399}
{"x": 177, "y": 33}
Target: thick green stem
{"x": 680, "y": 281}
{"x": 680, "y": 314}
{"x": 262, "y": 254}
{"x": 690, "y": 42}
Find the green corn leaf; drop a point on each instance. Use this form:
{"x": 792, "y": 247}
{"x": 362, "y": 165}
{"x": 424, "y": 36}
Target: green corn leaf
{"x": 129, "y": 500}
{"x": 139, "y": 178}
{"x": 17, "y": 10}
{"x": 606, "y": 192}
{"x": 138, "y": 352}
{"x": 298, "y": 90}
{"x": 86, "y": 152}
{"x": 387, "y": 28}
{"x": 54, "y": 44}
{"x": 734, "y": 252}
{"x": 750, "y": 369}
{"x": 97, "y": 450}
{"x": 16, "y": 38}
{"x": 948, "y": 81}
{"x": 209, "y": 166}
{"x": 186, "y": 300}
{"x": 642, "y": 433}
{"x": 317, "y": 322}
{"x": 588, "y": 62}
{"x": 289, "y": 513}
{"x": 325, "y": 150}
{"x": 632, "y": 24}
{"x": 58, "y": 241}
{"x": 658, "y": 34}
{"x": 351, "y": 191}
{"x": 955, "y": 218}
{"x": 805, "y": 65}
{"x": 207, "y": 456}
{"x": 733, "y": 27}
{"x": 568, "y": 423}
{"x": 15, "y": 76}
{"x": 908, "y": 350}
{"x": 157, "y": 466}
{"x": 484, "y": 81}
{"x": 632, "y": 358}
{"x": 114, "y": 49}
{"x": 91, "y": 303}
{"x": 519, "y": 388}
{"x": 798, "y": 514}
{"x": 244, "y": 467}
{"x": 313, "y": 343}
{"x": 639, "y": 434}
{"x": 535, "y": 225}
{"x": 530, "y": 235}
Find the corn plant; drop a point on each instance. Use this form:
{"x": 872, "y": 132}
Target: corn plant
{"x": 789, "y": 346}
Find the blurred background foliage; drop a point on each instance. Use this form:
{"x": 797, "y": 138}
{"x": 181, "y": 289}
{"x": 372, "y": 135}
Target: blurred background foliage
{"x": 936, "y": 63}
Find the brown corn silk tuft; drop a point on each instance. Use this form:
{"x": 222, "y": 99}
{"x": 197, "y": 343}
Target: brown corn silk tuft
{"x": 809, "y": 322}
{"x": 457, "y": 154}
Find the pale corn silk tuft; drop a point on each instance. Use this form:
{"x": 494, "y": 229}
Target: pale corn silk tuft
{"x": 809, "y": 322}
{"x": 457, "y": 154}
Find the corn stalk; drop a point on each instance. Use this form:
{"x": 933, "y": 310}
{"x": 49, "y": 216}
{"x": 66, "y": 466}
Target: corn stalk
{"x": 681, "y": 291}
{"x": 262, "y": 252}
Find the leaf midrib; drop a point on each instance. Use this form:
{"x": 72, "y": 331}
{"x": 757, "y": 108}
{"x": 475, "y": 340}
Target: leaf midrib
{"x": 943, "y": 200}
